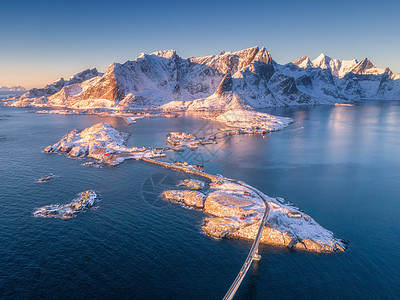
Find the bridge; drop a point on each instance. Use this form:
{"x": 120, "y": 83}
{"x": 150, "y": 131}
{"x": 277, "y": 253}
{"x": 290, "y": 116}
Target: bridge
{"x": 254, "y": 248}
{"x": 226, "y": 132}
{"x": 181, "y": 168}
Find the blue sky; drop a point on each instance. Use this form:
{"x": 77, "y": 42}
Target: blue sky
{"x": 41, "y": 41}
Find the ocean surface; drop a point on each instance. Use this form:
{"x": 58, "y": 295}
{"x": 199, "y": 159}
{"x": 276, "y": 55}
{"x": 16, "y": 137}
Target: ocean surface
{"x": 341, "y": 165}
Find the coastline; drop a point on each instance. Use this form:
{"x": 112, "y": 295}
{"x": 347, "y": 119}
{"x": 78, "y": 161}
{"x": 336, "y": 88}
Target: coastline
{"x": 235, "y": 207}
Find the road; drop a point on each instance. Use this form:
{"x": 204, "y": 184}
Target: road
{"x": 247, "y": 263}
{"x": 246, "y": 266}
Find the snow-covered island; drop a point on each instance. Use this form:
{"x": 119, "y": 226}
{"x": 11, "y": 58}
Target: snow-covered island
{"x": 235, "y": 210}
{"x": 84, "y": 201}
{"x": 251, "y": 122}
{"x": 101, "y": 142}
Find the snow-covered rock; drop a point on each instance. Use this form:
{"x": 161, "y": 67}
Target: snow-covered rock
{"x": 192, "y": 184}
{"x": 190, "y": 198}
{"x": 66, "y": 211}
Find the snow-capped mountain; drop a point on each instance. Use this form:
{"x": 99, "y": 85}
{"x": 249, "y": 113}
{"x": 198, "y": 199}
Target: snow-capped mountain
{"x": 12, "y": 89}
{"x": 67, "y": 88}
{"x": 330, "y": 79}
{"x": 246, "y": 78}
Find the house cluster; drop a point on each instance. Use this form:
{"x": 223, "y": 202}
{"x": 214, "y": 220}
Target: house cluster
{"x": 188, "y": 166}
{"x": 179, "y": 138}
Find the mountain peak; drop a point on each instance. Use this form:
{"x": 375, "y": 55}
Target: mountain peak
{"x": 302, "y": 62}
{"x": 169, "y": 54}
{"x": 225, "y": 85}
{"x": 322, "y": 61}
{"x": 367, "y": 63}
{"x": 362, "y": 67}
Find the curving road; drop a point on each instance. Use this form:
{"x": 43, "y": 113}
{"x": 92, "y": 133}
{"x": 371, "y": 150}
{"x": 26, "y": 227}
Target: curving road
{"x": 246, "y": 266}
{"x": 247, "y": 263}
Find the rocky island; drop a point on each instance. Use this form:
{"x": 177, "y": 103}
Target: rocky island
{"x": 84, "y": 201}
{"x": 235, "y": 210}
{"x": 101, "y": 142}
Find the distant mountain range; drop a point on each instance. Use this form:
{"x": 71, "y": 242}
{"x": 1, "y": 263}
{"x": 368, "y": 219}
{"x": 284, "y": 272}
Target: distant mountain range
{"x": 12, "y": 89}
{"x": 242, "y": 79}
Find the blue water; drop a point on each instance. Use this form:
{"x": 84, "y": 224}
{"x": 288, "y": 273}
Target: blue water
{"x": 339, "y": 164}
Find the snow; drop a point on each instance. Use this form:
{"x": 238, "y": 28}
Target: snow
{"x": 245, "y": 119}
{"x": 103, "y": 143}
{"x": 235, "y": 207}
{"x": 163, "y": 80}
{"x": 66, "y": 211}
{"x": 346, "y": 66}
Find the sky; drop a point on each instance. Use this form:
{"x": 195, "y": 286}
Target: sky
{"x": 41, "y": 41}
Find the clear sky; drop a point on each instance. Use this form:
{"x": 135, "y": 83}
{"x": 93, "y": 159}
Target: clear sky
{"x": 41, "y": 41}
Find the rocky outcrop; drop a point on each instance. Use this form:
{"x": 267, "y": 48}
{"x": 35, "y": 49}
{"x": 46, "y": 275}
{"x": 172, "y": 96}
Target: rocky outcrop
{"x": 190, "y": 198}
{"x": 108, "y": 87}
{"x": 192, "y": 184}
{"x": 225, "y": 85}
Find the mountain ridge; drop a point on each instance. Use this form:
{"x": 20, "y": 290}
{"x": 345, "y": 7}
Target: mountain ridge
{"x": 247, "y": 78}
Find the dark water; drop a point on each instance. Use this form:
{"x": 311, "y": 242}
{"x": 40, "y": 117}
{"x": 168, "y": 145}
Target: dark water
{"x": 339, "y": 164}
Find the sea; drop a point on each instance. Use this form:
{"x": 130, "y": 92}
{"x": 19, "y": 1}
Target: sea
{"x": 339, "y": 164}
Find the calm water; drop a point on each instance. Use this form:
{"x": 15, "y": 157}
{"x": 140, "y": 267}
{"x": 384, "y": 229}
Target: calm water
{"x": 341, "y": 165}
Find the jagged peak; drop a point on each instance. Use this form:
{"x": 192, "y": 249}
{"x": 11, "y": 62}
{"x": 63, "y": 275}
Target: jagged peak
{"x": 350, "y": 61}
{"x": 366, "y": 63}
{"x": 322, "y": 56}
{"x": 322, "y": 61}
{"x": 362, "y": 66}
{"x": 112, "y": 67}
{"x": 225, "y": 85}
{"x": 84, "y": 72}
{"x": 169, "y": 54}
{"x": 250, "y": 55}
{"x": 240, "y": 52}
{"x": 303, "y": 62}
{"x": 263, "y": 55}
